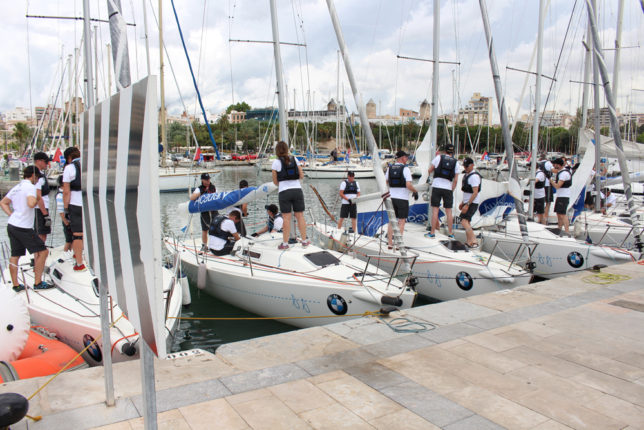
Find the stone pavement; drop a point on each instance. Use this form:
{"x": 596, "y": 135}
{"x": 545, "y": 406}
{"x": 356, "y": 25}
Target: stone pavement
{"x": 560, "y": 354}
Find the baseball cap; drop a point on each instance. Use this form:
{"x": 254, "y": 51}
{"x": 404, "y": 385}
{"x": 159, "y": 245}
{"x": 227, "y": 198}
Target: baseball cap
{"x": 558, "y": 161}
{"x": 467, "y": 161}
{"x": 205, "y": 176}
{"x": 401, "y": 153}
{"x": 449, "y": 148}
{"x": 272, "y": 208}
{"x": 41, "y": 156}
{"x": 351, "y": 173}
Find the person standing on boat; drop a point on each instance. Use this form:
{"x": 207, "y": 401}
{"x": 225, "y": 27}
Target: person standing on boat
{"x": 446, "y": 170}
{"x": 206, "y": 217}
{"x": 546, "y": 167}
{"x": 398, "y": 178}
{"x": 222, "y": 233}
{"x": 19, "y": 204}
{"x": 275, "y": 221}
{"x": 562, "y": 183}
{"x": 349, "y": 189}
{"x": 540, "y": 182}
{"x": 73, "y": 202}
{"x": 471, "y": 199}
{"x": 43, "y": 220}
{"x": 67, "y": 231}
{"x": 287, "y": 174}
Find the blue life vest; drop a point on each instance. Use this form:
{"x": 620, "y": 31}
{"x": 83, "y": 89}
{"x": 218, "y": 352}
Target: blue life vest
{"x": 351, "y": 187}
{"x": 446, "y": 168}
{"x": 396, "y": 177}
{"x": 271, "y": 223}
{"x": 215, "y": 228}
{"x": 289, "y": 172}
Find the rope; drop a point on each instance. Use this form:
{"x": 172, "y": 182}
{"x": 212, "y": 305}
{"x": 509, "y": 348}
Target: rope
{"x": 365, "y": 314}
{"x": 405, "y": 325}
{"x": 605, "y": 278}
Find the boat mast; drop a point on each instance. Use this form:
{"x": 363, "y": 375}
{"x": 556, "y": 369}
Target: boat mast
{"x": 280, "y": 76}
{"x": 618, "y": 46}
{"x": 596, "y": 112}
{"x": 514, "y": 187}
{"x": 537, "y": 107}
{"x": 608, "y": 92}
{"x": 145, "y": 32}
{"x": 586, "y": 87}
{"x": 380, "y": 175}
{"x": 162, "y": 113}
{"x": 435, "y": 76}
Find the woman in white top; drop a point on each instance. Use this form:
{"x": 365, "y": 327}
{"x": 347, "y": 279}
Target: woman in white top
{"x": 287, "y": 174}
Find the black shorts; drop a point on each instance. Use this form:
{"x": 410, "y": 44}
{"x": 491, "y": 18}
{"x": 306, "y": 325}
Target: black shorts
{"x": 206, "y": 218}
{"x": 550, "y": 195}
{"x": 349, "y": 210}
{"x": 561, "y": 205}
{"x": 589, "y": 198}
{"x": 540, "y": 206}
{"x": 67, "y": 231}
{"x": 291, "y": 200}
{"x": 471, "y": 210}
{"x": 39, "y": 223}
{"x": 226, "y": 250}
{"x": 447, "y": 196}
{"x": 401, "y": 208}
{"x": 76, "y": 218}
{"x": 22, "y": 239}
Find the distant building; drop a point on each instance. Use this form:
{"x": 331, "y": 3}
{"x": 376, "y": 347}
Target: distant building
{"x": 265, "y": 114}
{"x": 638, "y": 118}
{"x": 551, "y": 118}
{"x": 235, "y": 117}
{"x": 371, "y": 109}
{"x": 184, "y": 118}
{"x": 604, "y": 117}
{"x": 77, "y": 105}
{"x": 477, "y": 112}
{"x": 425, "y": 110}
{"x": 17, "y": 114}
{"x": 408, "y": 114}
{"x": 47, "y": 114}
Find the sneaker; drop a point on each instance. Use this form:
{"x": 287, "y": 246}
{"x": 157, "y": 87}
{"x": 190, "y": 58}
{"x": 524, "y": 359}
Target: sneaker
{"x": 473, "y": 246}
{"x": 79, "y": 268}
{"x": 18, "y": 288}
{"x": 451, "y": 236}
{"x": 305, "y": 243}
{"x": 43, "y": 286}
{"x": 283, "y": 246}
{"x": 430, "y": 235}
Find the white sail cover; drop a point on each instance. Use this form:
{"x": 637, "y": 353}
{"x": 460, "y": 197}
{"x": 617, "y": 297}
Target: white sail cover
{"x": 632, "y": 150}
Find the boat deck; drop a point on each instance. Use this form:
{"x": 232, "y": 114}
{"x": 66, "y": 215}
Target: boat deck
{"x": 564, "y": 353}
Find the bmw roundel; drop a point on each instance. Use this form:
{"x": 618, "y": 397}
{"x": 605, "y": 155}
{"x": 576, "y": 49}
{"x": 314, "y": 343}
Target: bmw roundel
{"x": 464, "y": 281}
{"x": 94, "y": 351}
{"x": 575, "y": 259}
{"x": 337, "y": 304}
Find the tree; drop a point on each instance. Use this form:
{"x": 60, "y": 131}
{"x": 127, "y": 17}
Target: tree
{"x": 22, "y": 133}
{"x": 239, "y": 107}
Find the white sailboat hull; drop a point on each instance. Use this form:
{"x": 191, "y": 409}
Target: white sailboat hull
{"x": 182, "y": 179}
{"x": 338, "y": 171}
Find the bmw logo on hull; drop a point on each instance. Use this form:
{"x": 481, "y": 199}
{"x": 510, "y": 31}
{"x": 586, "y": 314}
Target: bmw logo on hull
{"x": 575, "y": 259}
{"x": 337, "y": 304}
{"x": 94, "y": 351}
{"x": 464, "y": 281}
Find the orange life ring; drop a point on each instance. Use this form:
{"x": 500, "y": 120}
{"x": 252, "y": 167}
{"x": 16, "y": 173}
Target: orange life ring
{"x": 42, "y": 356}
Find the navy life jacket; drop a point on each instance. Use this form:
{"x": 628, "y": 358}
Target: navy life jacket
{"x": 215, "y": 228}
{"x": 271, "y": 223}
{"x": 541, "y": 165}
{"x": 211, "y": 189}
{"x": 75, "y": 185}
{"x": 44, "y": 190}
{"x": 446, "y": 168}
{"x": 466, "y": 187}
{"x": 566, "y": 184}
{"x": 396, "y": 177}
{"x": 289, "y": 172}
{"x": 351, "y": 187}
{"x": 540, "y": 184}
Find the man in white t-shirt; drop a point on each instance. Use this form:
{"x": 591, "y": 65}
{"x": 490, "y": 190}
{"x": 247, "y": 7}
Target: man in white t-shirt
{"x": 349, "y": 189}
{"x": 540, "y": 195}
{"x": 43, "y": 220}
{"x": 546, "y": 168}
{"x": 73, "y": 203}
{"x": 399, "y": 180}
{"x": 562, "y": 183}
{"x": 223, "y": 234}
{"x": 19, "y": 204}
{"x": 275, "y": 222}
{"x": 609, "y": 199}
{"x": 446, "y": 170}
{"x": 471, "y": 188}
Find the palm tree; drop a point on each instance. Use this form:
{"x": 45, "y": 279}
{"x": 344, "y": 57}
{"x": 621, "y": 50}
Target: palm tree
{"x": 22, "y": 133}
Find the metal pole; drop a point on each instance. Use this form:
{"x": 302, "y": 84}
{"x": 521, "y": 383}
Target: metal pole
{"x": 118, "y": 36}
{"x": 147, "y": 39}
{"x": 162, "y": 113}
{"x": 515, "y": 187}
{"x": 109, "y": 69}
{"x": 537, "y": 107}
{"x": 380, "y": 175}
{"x": 637, "y": 229}
{"x": 89, "y": 84}
{"x": 280, "y": 76}
{"x": 435, "y": 78}
{"x": 586, "y": 87}
{"x": 618, "y": 46}
{"x": 71, "y": 98}
{"x": 597, "y": 124}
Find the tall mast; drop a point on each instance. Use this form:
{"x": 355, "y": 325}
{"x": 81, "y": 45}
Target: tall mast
{"x": 380, "y": 175}
{"x": 89, "y": 83}
{"x": 618, "y": 46}
{"x": 586, "y": 86}
{"x": 118, "y": 36}
{"x": 145, "y": 32}
{"x": 280, "y": 76}
{"x": 162, "y": 87}
{"x": 337, "y": 104}
{"x": 72, "y": 72}
{"x": 435, "y": 76}
{"x": 597, "y": 122}
{"x": 610, "y": 100}
{"x": 537, "y": 108}
{"x": 514, "y": 187}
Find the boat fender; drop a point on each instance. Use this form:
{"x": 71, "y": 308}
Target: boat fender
{"x": 393, "y": 301}
{"x": 14, "y": 324}
{"x": 201, "y": 276}
{"x": 186, "y": 298}
{"x": 412, "y": 281}
{"x": 13, "y": 408}
{"x": 386, "y": 310}
{"x": 128, "y": 349}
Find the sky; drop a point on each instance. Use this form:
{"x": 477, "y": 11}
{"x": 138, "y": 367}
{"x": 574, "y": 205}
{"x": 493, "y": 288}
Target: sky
{"x": 376, "y": 33}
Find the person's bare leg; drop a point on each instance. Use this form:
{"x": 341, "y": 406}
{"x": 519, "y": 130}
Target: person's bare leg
{"x": 566, "y": 223}
{"x": 354, "y": 224}
{"x": 301, "y": 224}
{"x": 469, "y": 233}
{"x": 340, "y": 223}
{"x": 204, "y": 237}
{"x": 448, "y": 215}
{"x": 13, "y": 270}
{"x": 286, "y": 227}
{"x": 434, "y": 219}
{"x": 39, "y": 265}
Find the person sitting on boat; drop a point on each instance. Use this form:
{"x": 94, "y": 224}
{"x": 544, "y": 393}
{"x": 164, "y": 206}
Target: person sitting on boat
{"x": 446, "y": 169}
{"x": 562, "y": 182}
{"x": 275, "y": 221}
{"x": 287, "y": 174}
{"x": 73, "y": 202}
{"x": 608, "y": 200}
{"x": 241, "y": 227}
{"x": 540, "y": 181}
{"x": 349, "y": 189}
{"x": 334, "y": 155}
{"x": 43, "y": 220}
{"x": 67, "y": 231}
{"x": 206, "y": 217}
{"x": 546, "y": 167}
{"x": 398, "y": 178}
{"x": 222, "y": 233}
{"x": 471, "y": 199}
{"x": 19, "y": 204}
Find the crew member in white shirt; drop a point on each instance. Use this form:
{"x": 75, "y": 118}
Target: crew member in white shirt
{"x": 43, "y": 220}
{"x": 19, "y": 204}
{"x": 446, "y": 170}
{"x": 223, "y": 233}
{"x": 275, "y": 222}
{"x": 562, "y": 183}
{"x": 540, "y": 195}
{"x": 73, "y": 203}
{"x": 349, "y": 189}
{"x": 610, "y": 200}
{"x": 398, "y": 178}
{"x": 471, "y": 188}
